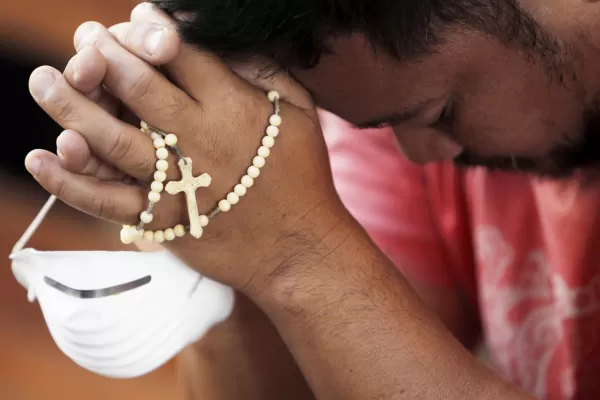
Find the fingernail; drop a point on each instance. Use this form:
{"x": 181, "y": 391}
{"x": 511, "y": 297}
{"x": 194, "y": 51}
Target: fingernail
{"x": 140, "y": 10}
{"x": 33, "y": 165}
{"x": 83, "y": 33}
{"x": 154, "y": 40}
{"x": 40, "y": 82}
{"x": 60, "y": 155}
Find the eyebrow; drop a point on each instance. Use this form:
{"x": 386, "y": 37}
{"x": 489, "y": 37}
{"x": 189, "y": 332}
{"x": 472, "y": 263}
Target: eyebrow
{"x": 394, "y": 118}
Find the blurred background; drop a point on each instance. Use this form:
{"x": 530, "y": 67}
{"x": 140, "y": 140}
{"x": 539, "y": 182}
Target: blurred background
{"x": 34, "y": 33}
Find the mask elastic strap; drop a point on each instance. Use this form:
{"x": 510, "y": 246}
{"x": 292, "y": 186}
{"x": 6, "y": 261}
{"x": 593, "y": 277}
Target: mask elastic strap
{"x": 34, "y": 225}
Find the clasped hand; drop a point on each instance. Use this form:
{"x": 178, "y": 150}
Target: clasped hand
{"x": 219, "y": 113}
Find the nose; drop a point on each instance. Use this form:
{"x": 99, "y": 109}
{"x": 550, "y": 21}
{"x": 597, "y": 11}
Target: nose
{"x": 426, "y": 146}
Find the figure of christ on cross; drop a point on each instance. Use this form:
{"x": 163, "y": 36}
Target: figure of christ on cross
{"x": 188, "y": 185}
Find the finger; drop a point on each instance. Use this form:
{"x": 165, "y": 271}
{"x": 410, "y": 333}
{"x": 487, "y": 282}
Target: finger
{"x": 85, "y": 72}
{"x": 75, "y": 156}
{"x": 202, "y": 74}
{"x": 148, "y": 12}
{"x": 153, "y": 42}
{"x": 149, "y": 94}
{"x": 112, "y": 201}
{"x": 194, "y": 70}
{"x": 116, "y": 142}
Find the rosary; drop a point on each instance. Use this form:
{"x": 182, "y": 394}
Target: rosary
{"x": 166, "y": 143}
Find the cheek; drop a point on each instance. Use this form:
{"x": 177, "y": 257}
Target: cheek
{"x": 523, "y": 119}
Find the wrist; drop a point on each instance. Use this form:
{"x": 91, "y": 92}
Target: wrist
{"x": 316, "y": 261}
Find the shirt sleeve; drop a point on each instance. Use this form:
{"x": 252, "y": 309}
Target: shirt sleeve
{"x": 388, "y": 196}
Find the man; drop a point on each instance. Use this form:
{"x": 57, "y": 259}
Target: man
{"x": 550, "y": 93}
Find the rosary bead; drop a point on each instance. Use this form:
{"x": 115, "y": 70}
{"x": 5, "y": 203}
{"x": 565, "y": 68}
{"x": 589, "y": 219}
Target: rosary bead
{"x": 253, "y": 172}
{"x": 157, "y": 186}
{"x": 247, "y": 181}
{"x": 171, "y": 139}
{"x": 272, "y": 131}
{"x": 272, "y": 95}
{"x": 159, "y": 236}
{"x": 162, "y": 153}
{"x": 129, "y": 234}
{"x": 263, "y": 152}
{"x": 224, "y": 206}
{"x": 149, "y": 236}
{"x": 268, "y": 141}
{"x": 179, "y": 230}
{"x": 203, "y": 220}
{"x": 146, "y": 217}
{"x": 239, "y": 189}
{"x": 160, "y": 176}
{"x": 275, "y": 120}
{"x": 158, "y": 143}
{"x": 258, "y": 162}
{"x": 169, "y": 234}
{"x": 162, "y": 165}
{"x": 154, "y": 197}
{"x": 233, "y": 198}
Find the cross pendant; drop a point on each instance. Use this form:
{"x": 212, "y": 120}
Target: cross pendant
{"x": 188, "y": 185}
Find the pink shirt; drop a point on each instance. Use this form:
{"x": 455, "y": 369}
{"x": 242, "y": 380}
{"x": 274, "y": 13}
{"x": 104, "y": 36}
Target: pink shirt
{"x": 523, "y": 249}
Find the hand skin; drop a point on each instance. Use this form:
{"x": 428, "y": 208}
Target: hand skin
{"x": 355, "y": 327}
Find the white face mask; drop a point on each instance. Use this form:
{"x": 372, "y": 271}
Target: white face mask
{"x": 119, "y": 314}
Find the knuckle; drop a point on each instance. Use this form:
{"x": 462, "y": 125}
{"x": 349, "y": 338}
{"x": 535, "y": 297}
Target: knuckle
{"x": 59, "y": 188}
{"x": 121, "y": 146}
{"x": 103, "y": 207}
{"x": 173, "y": 108}
{"x": 140, "y": 86}
{"x": 64, "y": 111}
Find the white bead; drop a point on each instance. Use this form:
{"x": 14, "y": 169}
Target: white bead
{"x": 146, "y": 217}
{"x": 158, "y": 143}
{"x": 239, "y": 189}
{"x": 233, "y": 198}
{"x": 272, "y": 95}
{"x": 154, "y": 197}
{"x": 253, "y": 172}
{"x": 129, "y": 234}
{"x": 275, "y": 120}
{"x": 272, "y": 131}
{"x": 179, "y": 230}
{"x": 224, "y": 206}
{"x": 247, "y": 181}
{"x": 171, "y": 140}
{"x": 157, "y": 186}
{"x": 268, "y": 141}
{"x": 263, "y": 151}
{"x": 155, "y": 136}
{"x": 149, "y": 235}
{"x": 169, "y": 234}
{"x": 159, "y": 236}
{"x": 160, "y": 176}
{"x": 162, "y": 153}
{"x": 258, "y": 162}
{"x": 144, "y": 125}
{"x": 203, "y": 219}
{"x": 162, "y": 165}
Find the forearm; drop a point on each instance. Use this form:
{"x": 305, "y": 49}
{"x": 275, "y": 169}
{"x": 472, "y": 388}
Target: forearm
{"x": 358, "y": 331}
{"x": 244, "y": 357}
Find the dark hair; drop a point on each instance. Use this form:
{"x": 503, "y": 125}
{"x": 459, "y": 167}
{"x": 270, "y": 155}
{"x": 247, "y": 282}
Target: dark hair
{"x": 295, "y": 33}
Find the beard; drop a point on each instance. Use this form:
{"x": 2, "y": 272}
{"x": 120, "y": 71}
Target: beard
{"x": 562, "y": 162}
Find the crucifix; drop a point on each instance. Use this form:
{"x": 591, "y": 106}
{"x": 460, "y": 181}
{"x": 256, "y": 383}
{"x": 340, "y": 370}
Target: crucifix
{"x": 188, "y": 185}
